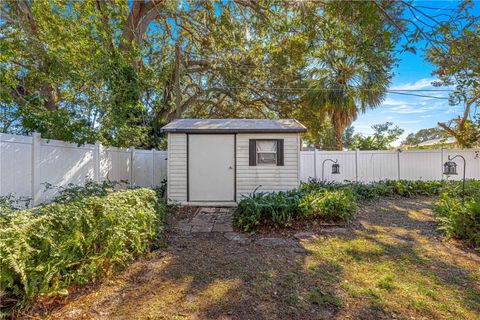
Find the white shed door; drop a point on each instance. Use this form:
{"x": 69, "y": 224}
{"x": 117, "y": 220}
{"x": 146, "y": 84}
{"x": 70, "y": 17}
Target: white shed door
{"x": 211, "y": 171}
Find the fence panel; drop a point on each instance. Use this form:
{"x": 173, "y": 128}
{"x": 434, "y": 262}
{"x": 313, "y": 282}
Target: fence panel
{"x": 60, "y": 164}
{"x": 376, "y": 165}
{"x": 149, "y": 167}
{"x": 346, "y": 160}
{"x": 15, "y": 165}
{"x": 28, "y": 163}
{"x": 116, "y": 164}
{"x": 421, "y": 165}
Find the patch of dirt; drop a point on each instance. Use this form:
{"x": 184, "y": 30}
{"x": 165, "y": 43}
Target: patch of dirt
{"x": 390, "y": 263}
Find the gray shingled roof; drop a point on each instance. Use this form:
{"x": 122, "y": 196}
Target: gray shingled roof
{"x": 233, "y": 125}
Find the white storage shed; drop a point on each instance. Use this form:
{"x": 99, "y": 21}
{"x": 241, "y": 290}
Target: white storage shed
{"x": 214, "y": 162}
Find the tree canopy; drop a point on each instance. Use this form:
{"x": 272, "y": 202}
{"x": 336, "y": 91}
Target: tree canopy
{"x": 382, "y": 138}
{"x": 116, "y": 71}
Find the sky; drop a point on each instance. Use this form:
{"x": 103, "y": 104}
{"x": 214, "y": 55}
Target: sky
{"x": 408, "y": 112}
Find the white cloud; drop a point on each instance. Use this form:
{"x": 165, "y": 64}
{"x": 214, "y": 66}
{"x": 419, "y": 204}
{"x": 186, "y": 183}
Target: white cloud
{"x": 393, "y": 102}
{"x": 408, "y": 121}
{"x": 417, "y": 85}
{"x": 407, "y": 108}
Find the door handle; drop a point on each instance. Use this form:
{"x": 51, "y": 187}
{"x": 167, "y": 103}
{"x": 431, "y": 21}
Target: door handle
{"x": 230, "y": 167}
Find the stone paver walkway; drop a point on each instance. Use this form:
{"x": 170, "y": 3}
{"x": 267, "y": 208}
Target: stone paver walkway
{"x": 208, "y": 220}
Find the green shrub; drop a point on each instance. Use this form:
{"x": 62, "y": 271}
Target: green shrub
{"x": 458, "y": 220}
{"x": 277, "y": 208}
{"x": 280, "y": 209}
{"x": 386, "y": 188}
{"x": 329, "y": 205}
{"x": 332, "y": 200}
{"x": 45, "y": 250}
{"x": 73, "y": 192}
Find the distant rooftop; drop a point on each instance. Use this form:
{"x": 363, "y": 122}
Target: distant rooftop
{"x": 233, "y": 125}
{"x": 434, "y": 142}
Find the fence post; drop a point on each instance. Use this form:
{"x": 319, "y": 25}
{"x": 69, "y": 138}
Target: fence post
{"x": 398, "y": 162}
{"x": 356, "y": 164}
{"x": 153, "y": 167}
{"x": 315, "y": 162}
{"x": 132, "y": 157}
{"x": 36, "y": 145}
{"x": 441, "y": 164}
{"x": 96, "y": 161}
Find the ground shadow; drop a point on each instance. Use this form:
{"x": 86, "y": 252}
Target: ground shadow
{"x": 206, "y": 276}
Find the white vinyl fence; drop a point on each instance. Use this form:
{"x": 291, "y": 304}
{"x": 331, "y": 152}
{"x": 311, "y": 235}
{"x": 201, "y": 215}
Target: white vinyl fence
{"x": 27, "y": 163}
{"x": 369, "y": 166}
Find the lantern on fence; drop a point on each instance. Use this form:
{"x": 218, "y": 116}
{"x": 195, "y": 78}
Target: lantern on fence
{"x": 335, "y": 168}
{"x": 450, "y": 168}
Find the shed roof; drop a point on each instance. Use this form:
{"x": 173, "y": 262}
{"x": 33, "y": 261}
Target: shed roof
{"x": 233, "y": 125}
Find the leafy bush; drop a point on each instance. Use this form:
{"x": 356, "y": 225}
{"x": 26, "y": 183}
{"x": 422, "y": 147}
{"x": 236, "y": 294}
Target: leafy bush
{"x": 280, "y": 209}
{"x": 329, "y": 205}
{"x": 332, "y": 200}
{"x": 386, "y": 188}
{"x": 46, "y": 249}
{"x": 11, "y": 202}
{"x": 73, "y": 192}
{"x": 162, "y": 189}
{"x": 458, "y": 220}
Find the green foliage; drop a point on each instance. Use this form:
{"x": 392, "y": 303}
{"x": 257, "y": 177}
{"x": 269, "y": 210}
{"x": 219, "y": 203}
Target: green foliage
{"x": 11, "y": 202}
{"x": 386, "y": 188}
{"x": 97, "y": 70}
{"x": 280, "y": 209}
{"x": 332, "y": 201}
{"x": 162, "y": 189}
{"x": 424, "y": 135}
{"x": 277, "y": 208}
{"x": 458, "y": 220}
{"x": 47, "y": 249}
{"x": 453, "y": 52}
{"x": 382, "y": 138}
{"x": 329, "y": 205}
{"x": 73, "y": 192}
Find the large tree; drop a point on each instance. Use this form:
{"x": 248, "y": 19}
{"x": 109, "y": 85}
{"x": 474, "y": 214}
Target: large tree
{"x": 118, "y": 70}
{"x": 452, "y": 38}
{"x": 352, "y": 70}
{"x": 456, "y": 53}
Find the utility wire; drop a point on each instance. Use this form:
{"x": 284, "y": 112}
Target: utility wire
{"x": 395, "y": 91}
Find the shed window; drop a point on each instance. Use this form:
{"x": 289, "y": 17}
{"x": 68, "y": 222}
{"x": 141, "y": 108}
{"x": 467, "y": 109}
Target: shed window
{"x": 266, "y": 152}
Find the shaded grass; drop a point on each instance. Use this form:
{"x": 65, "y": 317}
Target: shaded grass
{"x": 392, "y": 265}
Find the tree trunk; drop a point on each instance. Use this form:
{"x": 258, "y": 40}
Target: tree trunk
{"x": 178, "y": 97}
{"x": 338, "y": 132}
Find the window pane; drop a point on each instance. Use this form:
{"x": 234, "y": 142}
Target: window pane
{"x": 266, "y": 146}
{"x": 266, "y": 158}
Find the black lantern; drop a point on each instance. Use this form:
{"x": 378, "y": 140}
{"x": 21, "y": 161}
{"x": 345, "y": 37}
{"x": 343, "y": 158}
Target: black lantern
{"x": 335, "y": 168}
{"x": 450, "y": 168}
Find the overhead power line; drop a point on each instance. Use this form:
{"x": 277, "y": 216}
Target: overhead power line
{"x": 407, "y": 92}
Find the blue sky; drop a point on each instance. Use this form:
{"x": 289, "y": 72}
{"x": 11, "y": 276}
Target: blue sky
{"x": 412, "y": 113}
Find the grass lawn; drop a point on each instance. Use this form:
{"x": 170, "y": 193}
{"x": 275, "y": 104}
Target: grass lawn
{"x": 392, "y": 264}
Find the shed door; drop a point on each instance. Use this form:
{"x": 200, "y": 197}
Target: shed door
{"x": 211, "y": 167}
